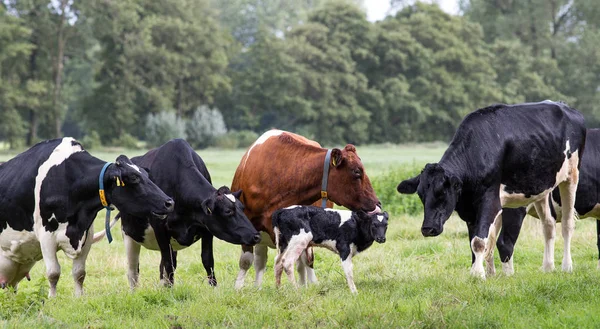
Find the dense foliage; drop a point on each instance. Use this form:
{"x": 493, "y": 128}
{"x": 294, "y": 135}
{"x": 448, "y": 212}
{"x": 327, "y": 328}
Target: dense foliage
{"x": 319, "y": 68}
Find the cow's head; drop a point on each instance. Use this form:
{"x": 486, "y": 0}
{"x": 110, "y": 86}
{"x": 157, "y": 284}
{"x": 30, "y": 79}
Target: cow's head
{"x": 131, "y": 191}
{"x": 226, "y": 219}
{"x": 348, "y": 183}
{"x": 439, "y": 193}
{"x": 376, "y": 224}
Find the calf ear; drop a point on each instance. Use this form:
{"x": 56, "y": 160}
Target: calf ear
{"x": 409, "y": 186}
{"x": 237, "y": 194}
{"x": 336, "y": 157}
{"x": 208, "y": 206}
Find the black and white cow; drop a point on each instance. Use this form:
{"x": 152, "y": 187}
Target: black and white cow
{"x": 49, "y": 198}
{"x": 505, "y": 156}
{"x": 201, "y": 212}
{"x": 342, "y": 231}
{"x": 587, "y": 200}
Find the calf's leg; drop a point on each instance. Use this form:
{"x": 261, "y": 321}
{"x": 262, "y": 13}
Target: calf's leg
{"x": 347, "y": 266}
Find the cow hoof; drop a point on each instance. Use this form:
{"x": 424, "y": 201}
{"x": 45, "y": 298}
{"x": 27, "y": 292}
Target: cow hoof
{"x": 212, "y": 281}
{"x": 567, "y": 267}
{"x": 548, "y": 267}
{"x": 508, "y": 268}
{"x": 478, "y": 272}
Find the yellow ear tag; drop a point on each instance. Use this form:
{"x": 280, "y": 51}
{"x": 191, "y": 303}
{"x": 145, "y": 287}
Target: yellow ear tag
{"x": 118, "y": 181}
{"x": 333, "y": 162}
{"x": 209, "y": 211}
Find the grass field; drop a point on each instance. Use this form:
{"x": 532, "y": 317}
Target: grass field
{"x": 410, "y": 281}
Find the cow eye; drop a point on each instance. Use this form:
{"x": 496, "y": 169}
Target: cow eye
{"x": 134, "y": 179}
{"x": 228, "y": 212}
{"x": 357, "y": 173}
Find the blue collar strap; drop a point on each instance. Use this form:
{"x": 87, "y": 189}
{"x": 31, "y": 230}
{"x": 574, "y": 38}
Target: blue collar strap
{"x": 103, "y": 201}
{"x": 325, "y": 176}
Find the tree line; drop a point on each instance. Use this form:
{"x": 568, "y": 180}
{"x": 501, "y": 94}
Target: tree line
{"x": 119, "y": 71}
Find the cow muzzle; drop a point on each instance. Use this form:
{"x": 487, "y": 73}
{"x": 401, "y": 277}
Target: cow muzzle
{"x": 430, "y": 231}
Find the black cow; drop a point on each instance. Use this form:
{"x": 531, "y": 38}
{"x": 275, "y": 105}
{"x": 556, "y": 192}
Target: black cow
{"x": 201, "y": 211}
{"x": 504, "y": 156}
{"x": 342, "y": 231}
{"x": 49, "y": 198}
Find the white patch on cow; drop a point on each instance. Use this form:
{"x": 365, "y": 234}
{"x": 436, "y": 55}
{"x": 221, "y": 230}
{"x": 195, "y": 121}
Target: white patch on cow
{"x": 493, "y": 232}
{"x": 293, "y": 207}
{"x": 347, "y": 266}
{"x": 134, "y": 167}
{"x": 263, "y": 138}
{"x": 329, "y": 244}
{"x": 64, "y": 243}
{"x": 507, "y": 267}
{"x": 230, "y": 197}
{"x": 515, "y": 200}
{"x": 345, "y": 215}
{"x": 150, "y": 241}
{"x": 353, "y": 249}
{"x": 477, "y": 268}
{"x": 380, "y": 218}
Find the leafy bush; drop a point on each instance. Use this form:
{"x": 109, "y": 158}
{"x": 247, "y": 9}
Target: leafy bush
{"x": 162, "y": 127}
{"x": 236, "y": 139}
{"x": 91, "y": 140}
{"x": 205, "y": 126}
{"x": 392, "y": 201}
{"x": 127, "y": 141}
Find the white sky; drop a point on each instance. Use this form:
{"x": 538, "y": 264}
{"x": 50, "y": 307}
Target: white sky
{"x": 377, "y": 9}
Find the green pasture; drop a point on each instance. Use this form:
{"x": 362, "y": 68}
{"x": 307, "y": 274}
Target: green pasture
{"x": 410, "y": 281}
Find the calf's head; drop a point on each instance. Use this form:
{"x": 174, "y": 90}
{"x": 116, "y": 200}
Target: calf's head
{"x": 348, "y": 183}
{"x": 226, "y": 219}
{"x": 439, "y": 193}
{"x": 129, "y": 189}
{"x": 377, "y": 224}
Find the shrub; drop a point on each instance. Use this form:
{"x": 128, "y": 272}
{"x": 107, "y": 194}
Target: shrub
{"x": 91, "y": 140}
{"x": 392, "y": 201}
{"x": 205, "y": 126}
{"x": 236, "y": 139}
{"x": 127, "y": 141}
{"x": 162, "y": 127}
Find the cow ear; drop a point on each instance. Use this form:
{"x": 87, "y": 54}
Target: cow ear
{"x": 208, "y": 206}
{"x": 237, "y": 194}
{"x": 409, "y": 186}
{"x": 336, "y": 157}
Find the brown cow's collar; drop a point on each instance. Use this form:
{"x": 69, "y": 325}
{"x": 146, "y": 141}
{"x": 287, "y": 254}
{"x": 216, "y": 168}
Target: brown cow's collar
{"x": 325, "y": 176}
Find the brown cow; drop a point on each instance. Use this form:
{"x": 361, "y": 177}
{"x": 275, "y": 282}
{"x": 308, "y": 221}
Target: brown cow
{"x": 282, "y": 169}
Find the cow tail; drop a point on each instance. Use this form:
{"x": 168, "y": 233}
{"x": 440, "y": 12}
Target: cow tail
{"x": 100, "y": 235}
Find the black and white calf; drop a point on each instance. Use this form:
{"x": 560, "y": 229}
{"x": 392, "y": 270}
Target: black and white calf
{"x": 49, "y": 198}
{"x": 201, "y": 212}
{"x": 342, "y": 231}
{"x": 505, "y": 156}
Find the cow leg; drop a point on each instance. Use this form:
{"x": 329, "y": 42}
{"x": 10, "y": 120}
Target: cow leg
{"x": 261, "y": 253}
{"x": 278, "y": 267}
{"x": 208, "y": 259}
{"x": 78, "y": 270}
{"x": 301, "y": 269}
{"x": 512, "y": 220}
{"x": 246, "y": 260}
{"x": 307, "y": 260}
{"x": 51, "y": 262}
{"x": 132, "y": 249}
{"x": 167, "y": 266}
{"x": 567, "y": 196}
{"x": 542, "y": 208}
{"x": 489, "y": 212}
